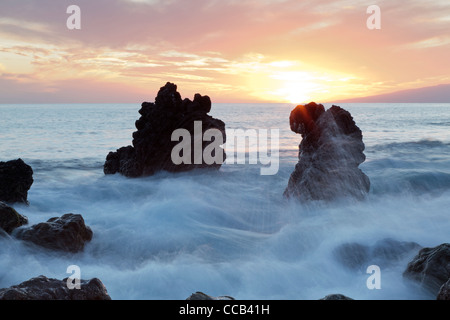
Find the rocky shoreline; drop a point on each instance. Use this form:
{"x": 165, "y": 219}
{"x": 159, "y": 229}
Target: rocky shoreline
{"x": 16, "y": 178}
{"x": 329, "y": 155}
{"x": 43, "y": 288}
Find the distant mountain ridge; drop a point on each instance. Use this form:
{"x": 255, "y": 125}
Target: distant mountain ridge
{"x": 434, "y": 94}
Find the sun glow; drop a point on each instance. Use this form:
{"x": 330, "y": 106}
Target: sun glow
{"x": 295, "y": 92}
{"x": 298, "y": 83}
{"x": 293, "y": 86}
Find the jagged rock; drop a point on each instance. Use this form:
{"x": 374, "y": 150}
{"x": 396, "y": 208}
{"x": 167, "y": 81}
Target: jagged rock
{"x": 16, "y": 178}
{"x": 43, "y": 288}
{"x": 336, "y": 296}
{"x": 384, "y": 253}
{"x": 152, "y": 142}
{"x": 444, "y": 292}
{"x": 4, "y": 234}
{"x": 430, "y": 267}
{"x": 10, "y": 218}
{"x": 202, "y": 296}
{"x": 329, "y": 155}
{"x": 66, "y": 233}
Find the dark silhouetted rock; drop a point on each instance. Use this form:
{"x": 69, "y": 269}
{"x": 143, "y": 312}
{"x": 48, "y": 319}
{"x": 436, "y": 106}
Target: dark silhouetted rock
{"x": 384, "y": 253}
{"x": 336, "y": 296}
{"x": 152, "y": 142}
{"x": 10, "y": 218}
{"x": 444, "y": 292}
{"x": 430, "y": 267}
{"x": 4, "y": 234}
{"x": 16, "y": 178}
{"x": 67, "y": 233}
{"x": 43, "y": 288}
{"x": 330, "y": 153}
{"x": 202, "y": 296}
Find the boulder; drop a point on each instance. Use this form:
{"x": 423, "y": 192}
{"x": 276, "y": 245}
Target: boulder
{"x": 152, "y": 142}
{"x": 336, "y": 296}
{"x": 43, "y": 288}
{"x": 202, "y": 296}
{"x": 430, "y": 268}
{"x": 10, "y": 218}
{"x": 4, "y": 234}
{"x": 384, "y": 253}
{"x": 16, "y": 178}
{"x": 329, "y": 155}
{"x": 66, "y": 233}
{"x": 444, "y": 292}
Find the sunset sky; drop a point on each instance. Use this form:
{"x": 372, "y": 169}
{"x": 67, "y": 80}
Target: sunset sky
{"x": 232, "y": 50}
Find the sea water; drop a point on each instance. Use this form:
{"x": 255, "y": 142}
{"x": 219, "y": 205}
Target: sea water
{"x": 231, "y": 231}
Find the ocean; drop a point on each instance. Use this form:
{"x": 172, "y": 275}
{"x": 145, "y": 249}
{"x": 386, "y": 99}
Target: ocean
{"x": 231, "y": 231}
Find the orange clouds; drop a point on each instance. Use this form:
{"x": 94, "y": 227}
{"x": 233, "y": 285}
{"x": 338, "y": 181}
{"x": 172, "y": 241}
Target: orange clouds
{"x": 248, "y": 50}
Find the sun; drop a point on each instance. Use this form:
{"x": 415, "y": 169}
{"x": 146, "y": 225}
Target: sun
{"x": 294, "y": 86}
{"x": 296, "y": 93}
{"x": 295, "y": 83}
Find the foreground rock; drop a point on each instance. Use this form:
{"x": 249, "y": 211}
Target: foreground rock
{"x": 330, "y": 153}
{"x": 10, "y": 218}
{"x": 66, "y": 233}
{"x": 202, "y": 296}
{"x": 152, "y": 142}
{"x": 444, "y": 292}
{"x": 16, "y": 178}
{"x": 430, "y": 267}
{"x": 384, "y": 253}
{"x": 43, "y": 288}
{"x": 336, "y": 296}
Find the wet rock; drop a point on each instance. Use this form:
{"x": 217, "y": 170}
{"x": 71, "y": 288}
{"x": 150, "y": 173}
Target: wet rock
{"x": 384, "y": 253}
{"x": 43, "y": 288}
{"x": 10, "y": 218}
{"x": 202, "y": 296}
{"x": 152, "y": 142}
{"x": 16, "y": 178}
{"x": 66, "y": 233}
{"x": 336, "y": 296}
{"x": 430, "y": 267}
{"x": 4, "y": 234}
{"x": 354, "y": 256}
{"x": 444, "y": 292}
{"x": 329, "y": 155}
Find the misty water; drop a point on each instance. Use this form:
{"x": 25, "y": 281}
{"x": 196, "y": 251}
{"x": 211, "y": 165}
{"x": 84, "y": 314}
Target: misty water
{"x": 231, "y": 231}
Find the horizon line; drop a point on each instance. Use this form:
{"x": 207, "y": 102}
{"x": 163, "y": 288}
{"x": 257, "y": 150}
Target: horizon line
{"x": 255, "y": 102}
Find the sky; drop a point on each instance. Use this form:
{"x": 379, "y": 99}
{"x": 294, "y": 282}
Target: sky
{"x": 231, "y": 50}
